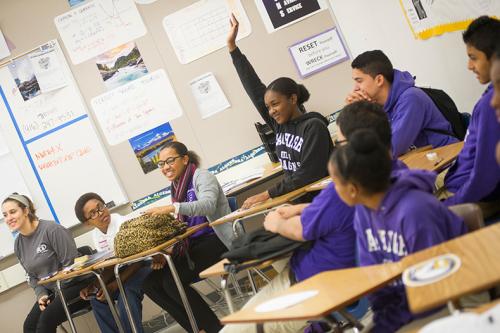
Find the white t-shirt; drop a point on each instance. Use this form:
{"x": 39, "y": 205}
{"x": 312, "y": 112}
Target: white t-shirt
{"x": 105, "y": 242}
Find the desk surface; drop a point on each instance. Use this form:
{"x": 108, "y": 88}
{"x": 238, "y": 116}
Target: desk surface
{"x": 218, "y": 268}
{"x": 329, "y": 298}
{"x": 114, "y": 261}
{"x": 479, "y": 253}
{"x": 445, "y": 155}
{"x": 271, "y": 170}
{"x": 270, "y": 203}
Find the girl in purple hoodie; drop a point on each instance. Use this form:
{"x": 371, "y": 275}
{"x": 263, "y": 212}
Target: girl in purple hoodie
{"x": 396, "y": 214}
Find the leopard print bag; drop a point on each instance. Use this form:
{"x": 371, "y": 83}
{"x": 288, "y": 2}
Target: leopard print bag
{"x": 146, "y": 232}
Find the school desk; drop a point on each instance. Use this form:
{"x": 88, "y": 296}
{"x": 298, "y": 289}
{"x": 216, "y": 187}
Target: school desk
{"x": 356, "y": 283}
{"x": 271, "y": 170}
{"x": 479, "y": 252}
{"x": 117, "y": 263}
{"x": 260, "y": 207}
{"x": 414, "y": 151}
{"x": 443, "y": 157}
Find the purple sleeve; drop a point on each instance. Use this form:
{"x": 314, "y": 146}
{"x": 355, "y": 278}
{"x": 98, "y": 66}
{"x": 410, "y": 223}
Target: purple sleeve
{"x": 485, "y": 174}
{"x": 406, "y": 123}
{"x": 322, "y": 208}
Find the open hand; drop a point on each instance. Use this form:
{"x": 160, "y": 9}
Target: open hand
{"x": 233, "y": 32}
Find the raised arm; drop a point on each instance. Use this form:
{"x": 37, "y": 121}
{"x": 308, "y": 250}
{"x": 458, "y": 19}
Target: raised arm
{"x": 251, "y": 82}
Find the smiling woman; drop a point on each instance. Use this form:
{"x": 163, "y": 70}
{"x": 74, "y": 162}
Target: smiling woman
{"x": 42, "y": 247}
{"x": 303, "y": 143}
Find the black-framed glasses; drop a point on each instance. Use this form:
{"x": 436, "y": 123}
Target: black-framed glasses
{"x": 170, "y": 161}
{"x": 94, "y": 213}
{"x": 338, "y": 143}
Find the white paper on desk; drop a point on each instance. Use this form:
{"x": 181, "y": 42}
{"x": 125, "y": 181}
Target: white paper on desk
{"x": 487, "y": 322}
{"x": 286, "y": 301}
{"x": 4, "y": 48}
{"x": 208, "y": 95}
{"x": 47, "y": 67}
{"x": 245, "y": 177}
{"x": 202, "y": 28}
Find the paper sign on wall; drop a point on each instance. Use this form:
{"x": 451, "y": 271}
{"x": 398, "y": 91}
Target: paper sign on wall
{"x": 208, "y": 95}
{"x": 136, "y": 107}
{"x": 319, "y": 52}
{"x": 4, "y": 48}
{"x": 98, "y": 26}
{"x": 202, "y": 28}
{"x": 278, "y": 14}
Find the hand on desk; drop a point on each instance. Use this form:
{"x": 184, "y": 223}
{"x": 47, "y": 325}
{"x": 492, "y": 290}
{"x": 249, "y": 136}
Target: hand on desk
{"x": 162, "y": 210}
{"x": 255, "y": 199}
{"x": 273, "y": 221}
{"x": 289, "y": 211}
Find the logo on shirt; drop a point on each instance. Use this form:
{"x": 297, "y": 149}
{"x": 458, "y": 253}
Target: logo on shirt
{"x": 42, "y": 248}
{"x": 387, "y": 241}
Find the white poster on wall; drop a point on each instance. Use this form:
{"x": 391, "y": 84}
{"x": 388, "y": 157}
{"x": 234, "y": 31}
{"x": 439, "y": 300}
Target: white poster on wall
{"x": 202, "y": 28}
{"x": 278, "y": 14}
{"x": 208, "y": 95}
{"x": 4, "y": 48}
{"x": 136, "y": 107}
{"x": 433, "y": 18}
{"x": 98, "y": 26}
{"x": 319, "y": 52}
{"x": 48, "y": 68}
{"x": 38, "y": 113}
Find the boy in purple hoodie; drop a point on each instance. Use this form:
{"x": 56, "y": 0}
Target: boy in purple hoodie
{"x": 414, "y": 118}
{"x": 475, "y": 176}
{"x": 396, "y": 214}
{"x": 327, "y": 221}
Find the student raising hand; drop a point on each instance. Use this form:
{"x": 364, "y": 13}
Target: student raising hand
{"x": 233, "y": 32}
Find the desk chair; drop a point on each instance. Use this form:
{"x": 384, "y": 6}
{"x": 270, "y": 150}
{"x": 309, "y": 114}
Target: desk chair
{"x": 472, "y": 215}
{"x": 84, "y": 251}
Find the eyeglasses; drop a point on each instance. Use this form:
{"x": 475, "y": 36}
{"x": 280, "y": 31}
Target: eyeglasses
{"x": 338, "y": 143}
{"x": 170, "y": 161}
{"x": 94, "y": 213}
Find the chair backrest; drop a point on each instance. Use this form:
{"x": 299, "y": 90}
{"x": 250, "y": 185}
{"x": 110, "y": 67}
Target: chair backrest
{"x": 233, "y": 204}
{"x": 471, "y": 213}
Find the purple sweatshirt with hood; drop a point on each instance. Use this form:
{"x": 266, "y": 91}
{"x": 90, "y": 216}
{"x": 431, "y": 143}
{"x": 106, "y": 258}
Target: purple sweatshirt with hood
{"x": 413, "y": 115}
{"x": 475, "y": 176}
{"x": 409, "y": 219}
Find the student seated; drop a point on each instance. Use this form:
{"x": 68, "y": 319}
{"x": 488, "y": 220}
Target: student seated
{"x": 197, "y": 198}
{"x": 327, "y": 221}
{"x": 475, "y": 175}
{"x": 91, "y": 210}
{"x": 396, "y": 214}
{"x": 495, "y": 99}
{"x": 303, "y": 143}
{"x": 42, "y": 248}
{"x": 415, "y": 119}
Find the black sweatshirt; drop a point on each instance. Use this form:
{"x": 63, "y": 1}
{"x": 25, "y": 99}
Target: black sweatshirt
{"x": 303, "y": 145}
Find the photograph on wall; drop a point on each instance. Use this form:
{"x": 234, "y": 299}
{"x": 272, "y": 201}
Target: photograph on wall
{"x": 73, "y": 3}
{"x": 121, "y": 65}
{"x": 23, "y": 73}
{"x": 278, "y": 14}
{"x": 147, "y": 145}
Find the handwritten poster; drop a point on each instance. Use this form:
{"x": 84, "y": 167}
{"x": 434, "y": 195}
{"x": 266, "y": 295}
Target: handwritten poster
{"x": 98, "y": 26}
{"x": 433, "y": 18}
{"x": 278, "y": 14}
{"x": 208, "y": 95}
{"x": 49, "y": 110}
{"x": 319, "y": 52}
{"x": 202, "y": 28}
{"x": 136, "y": 107}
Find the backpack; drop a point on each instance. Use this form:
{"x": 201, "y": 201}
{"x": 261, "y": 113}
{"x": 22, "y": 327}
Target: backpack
{"x": 146, "y": 232}
{"x": 259, "y": 245}
{"x": 449, "y": 110}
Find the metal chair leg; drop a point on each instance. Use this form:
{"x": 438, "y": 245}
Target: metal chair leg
{"x": 65, "y": 307}
{"x": 225, "y": 288}
{"x": 110, "y": 302}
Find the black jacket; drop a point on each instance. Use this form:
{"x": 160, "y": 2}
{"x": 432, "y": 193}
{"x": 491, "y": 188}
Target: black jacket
{"x": 303, "y": 145}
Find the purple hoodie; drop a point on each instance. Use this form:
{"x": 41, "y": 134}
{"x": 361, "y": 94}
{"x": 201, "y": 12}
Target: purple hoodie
{"x": 412, "y": 115}
{"x": 409, "y": 219}
{"x": 475, "y": 176}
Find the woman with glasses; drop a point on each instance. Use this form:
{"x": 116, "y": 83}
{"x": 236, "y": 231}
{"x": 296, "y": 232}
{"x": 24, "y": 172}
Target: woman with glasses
{"x": 43, "y": 248}
{"x": 91, "y": 210}
{"x": 197, "y": 198}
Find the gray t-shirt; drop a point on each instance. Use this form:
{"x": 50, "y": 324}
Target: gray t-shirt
{"x": 50, "y": 248}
